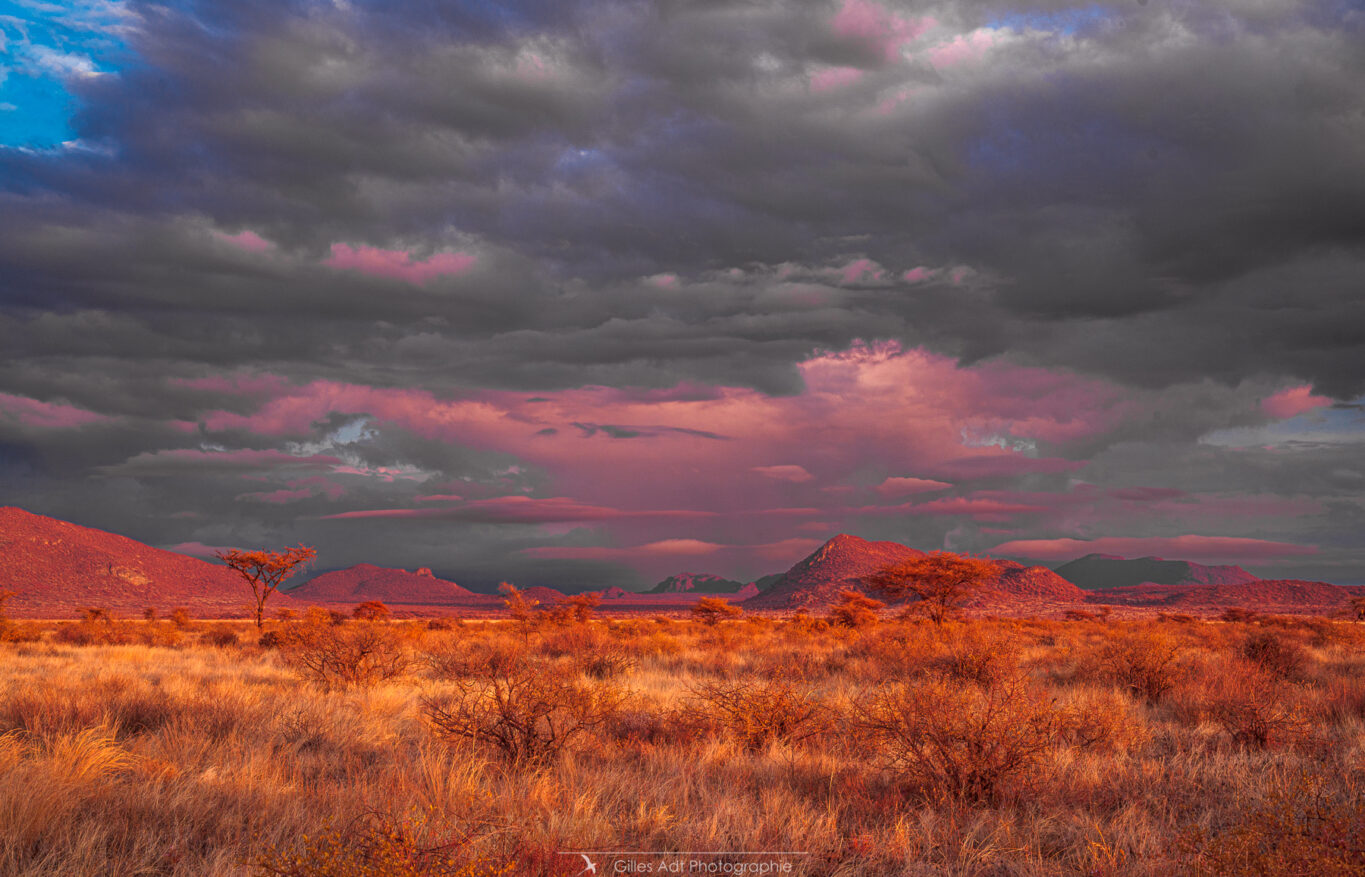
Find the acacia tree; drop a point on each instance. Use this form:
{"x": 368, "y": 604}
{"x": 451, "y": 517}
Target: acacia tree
{"x": 942, "y": 581}
{"x": 265, "y": 571}
{"x": 713, "y": 609}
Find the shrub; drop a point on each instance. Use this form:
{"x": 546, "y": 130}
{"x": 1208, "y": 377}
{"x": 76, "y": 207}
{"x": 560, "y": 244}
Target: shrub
{"x": 370, "y": 610}
{"x": 855, "y": 610}
{"x": 180, "y": 617}
{"x": 1143, "y": 663}
{"x": 1257, "y": 710}
{"x": 526, "y": 714}
{"x": 756, "y": 712}
{"x": 958, "y": 741}
{"x": 981, "y": 658}
{"x": 1275, "y": 655}
{"x": 221, "y": 637}
{"x": 481, "y": 660}
{"x": 334, "y": 657}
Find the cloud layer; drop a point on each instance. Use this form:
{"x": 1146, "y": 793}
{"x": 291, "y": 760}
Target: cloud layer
{"x": 624, "y": 282}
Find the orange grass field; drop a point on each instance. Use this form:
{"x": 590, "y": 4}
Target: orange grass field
{"x": 334, "y": 746}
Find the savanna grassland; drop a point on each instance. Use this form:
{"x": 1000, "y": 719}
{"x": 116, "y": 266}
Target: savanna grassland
{"x": 331, "y": 745}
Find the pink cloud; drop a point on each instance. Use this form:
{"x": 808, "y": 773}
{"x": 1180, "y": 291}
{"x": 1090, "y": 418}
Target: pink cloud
{"x": 860, "y": 271}
{"x": 964, "y": 48}
{"x": 1293, "y": 401}
{"x": 397, "y": 264}
{"x": 794, "y": 474}
{"x": 832, "y": 78}
{"x": 902, "y": 486}
{"x": 703, "y": 448}
{"x": 520, "y": 510}
{"x": 876, "y": 27}
{"x": 663, "y": 281}
{"x": 46, "y": 415}
{"x": 668, "y": 550}
{"x": 919, "y": 274}
{"x": 1197, "y": 548}
{"x": 247, "y": 240}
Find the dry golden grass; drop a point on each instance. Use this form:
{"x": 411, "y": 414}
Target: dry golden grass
{"x": 1086, "y": 747}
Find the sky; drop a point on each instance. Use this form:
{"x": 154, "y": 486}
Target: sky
{"x": 588, "y": 293}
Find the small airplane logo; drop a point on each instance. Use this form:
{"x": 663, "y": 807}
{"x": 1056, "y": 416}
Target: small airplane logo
{"x": 592, "y": 866}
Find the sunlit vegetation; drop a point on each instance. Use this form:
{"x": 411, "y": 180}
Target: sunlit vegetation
{"x": 355, "y": 743}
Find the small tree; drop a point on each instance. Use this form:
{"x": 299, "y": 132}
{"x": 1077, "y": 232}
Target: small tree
{"x": 265, "y": 571}
{"x": 713, "y": 609}
{"x": 855, "y": 609}
{"x": 519, "y": 606}
{"x": 1358, "y": 608}
{"x": 942, "y": 581}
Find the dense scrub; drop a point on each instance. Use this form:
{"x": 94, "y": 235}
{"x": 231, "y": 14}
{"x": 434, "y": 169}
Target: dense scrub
{"x": 339, "y": 745}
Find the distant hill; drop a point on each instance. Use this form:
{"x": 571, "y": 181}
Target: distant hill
{"x": 1097, "y": 571}
{"x": 840, "y": 563}
{"x": 56, "y": 568}
{"x": 365, "y": 581}
{"x": 844, "y": 561}
{"x": 697, "y": 583}
{"x": 768, "y": 582}
{"x": 1260, "y": 594}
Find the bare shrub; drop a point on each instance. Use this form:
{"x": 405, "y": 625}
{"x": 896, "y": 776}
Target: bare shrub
{"x": 757, "y": 712}
{"x": 961, "y": 742}
{"x": 180, "y": 617}
{"x": 1274, "y": 654}
{"x": 1144, "y": 663}
{"x": 607, "y": 660}
{"x": 453, "y": 659}
{"x": 341, "y": 657}
{"x": 855, "y": 610}
{"x": 527, "y": 714}
{"x": 1257, "y": 710}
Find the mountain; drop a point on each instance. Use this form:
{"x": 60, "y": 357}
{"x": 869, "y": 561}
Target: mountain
{"x": 56, "y": 567}
{"x": 365, "y": 581}
{"x": 840, "y": 563}
{"x": 1098, "y": 571}
{"x": 697, "y": 583}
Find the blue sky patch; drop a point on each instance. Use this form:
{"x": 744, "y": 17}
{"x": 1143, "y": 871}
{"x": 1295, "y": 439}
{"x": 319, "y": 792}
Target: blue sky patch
{"x": 45, "y": 49}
